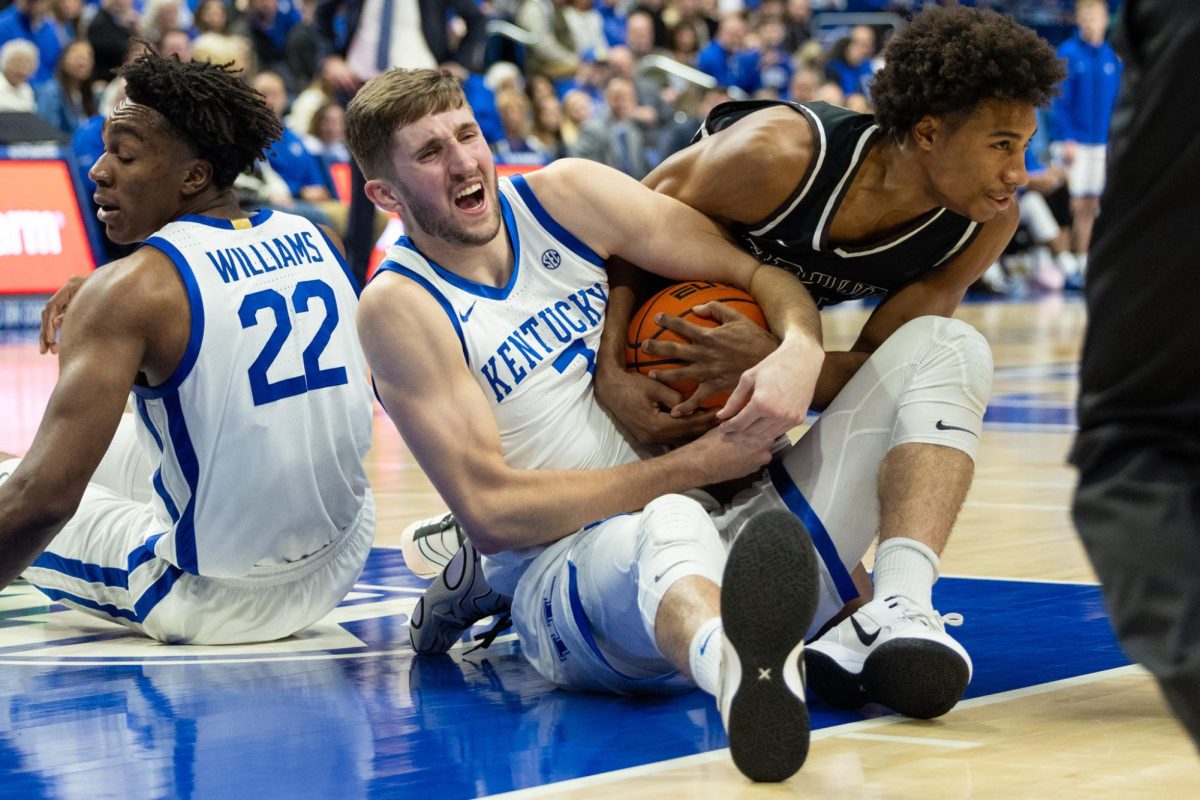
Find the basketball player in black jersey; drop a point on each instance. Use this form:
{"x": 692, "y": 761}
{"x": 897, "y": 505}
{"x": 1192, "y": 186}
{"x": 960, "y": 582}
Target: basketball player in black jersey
{"x": 910, "y": 206}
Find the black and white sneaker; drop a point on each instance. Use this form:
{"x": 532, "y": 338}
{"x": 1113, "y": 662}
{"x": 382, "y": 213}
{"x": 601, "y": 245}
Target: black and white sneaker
{"x": 894, "y": 652}
{"x": 428, "y": 544}
{"x": 768, "y": 599}
{"x": 457, "y": 599}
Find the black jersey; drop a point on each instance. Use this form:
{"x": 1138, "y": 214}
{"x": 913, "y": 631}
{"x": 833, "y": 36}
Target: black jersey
{"x": 796, "y": 235}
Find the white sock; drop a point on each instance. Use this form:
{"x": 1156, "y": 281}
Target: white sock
{"x": 905, "y": 566}
{"x": 704, "y": 655}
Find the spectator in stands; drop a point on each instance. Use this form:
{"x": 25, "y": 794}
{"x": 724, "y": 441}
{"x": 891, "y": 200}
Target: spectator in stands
{"x": 586, "y": 26}
{"x": 617, "y": 141}
{"x": 69, "y": 98}
{"x": 159, "y": 17}
{"x": 326, "y": 135}
{"x": 68, "y": 20}
{"x": 302, "y": 49}
{"x": 802, "y": 88}
{"x": 577, "y": 110}
{"x": 110, "y": 33}
{"x": 518, "y": 147}
{"x": 547, "y": 126}
{"x": 1052, "y": 261}
{"x": 685, "y": 43}
{"x": 850, "y": 61}
{"x": 830, "y": 92}
{"x": 725, "y": 58}
{"x": 649, "y": 109}
{"x": 553, "y": 54}
{"x": 31, "y": 20}
{"x": 798, "y": 24}
{"x": 694, "y": 106}
{"x": 360, "y": 46}
{"x": 211, "y": 16}
{"x": 220, "y": 48}
{"x": 1081, "y": 117}
{"x": 639, "y": 34}
{"x": 176, "y": 43}
{"x": 308, "y": 182}
{"x": 268, "y": 23}
{"x": 18, "y": 63}
{"x": 774, "y": 62}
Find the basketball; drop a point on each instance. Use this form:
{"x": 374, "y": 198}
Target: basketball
{"x": 679, "y": 300}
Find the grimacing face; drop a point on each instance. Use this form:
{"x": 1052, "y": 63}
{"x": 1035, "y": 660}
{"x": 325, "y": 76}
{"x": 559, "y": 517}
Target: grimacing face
{"x": 446, "y": 178}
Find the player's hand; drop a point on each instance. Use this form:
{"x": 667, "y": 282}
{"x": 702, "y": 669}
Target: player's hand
{"x": 53, "y": 313}
{"x": 716, "y": 357}
{"x": 773, "y": 396}
{"x": 728, "y": 455}
{"x": 640, "y": 406}
{"x": 337, "y": 72}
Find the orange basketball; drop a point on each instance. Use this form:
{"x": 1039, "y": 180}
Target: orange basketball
{"x": 679, "y": 300}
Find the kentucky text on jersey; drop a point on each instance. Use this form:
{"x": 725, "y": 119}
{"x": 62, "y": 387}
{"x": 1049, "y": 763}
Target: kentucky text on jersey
{"x": 565, "y": 320}
{"x": 288, "y": 250}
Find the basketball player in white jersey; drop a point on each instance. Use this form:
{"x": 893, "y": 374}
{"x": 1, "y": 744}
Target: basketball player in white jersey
{"x": 231, "y": 505}
{"x": 481, "y": 330}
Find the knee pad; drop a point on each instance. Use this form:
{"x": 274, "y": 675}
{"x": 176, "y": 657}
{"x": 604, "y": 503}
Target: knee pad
{"x": 676, "y": 539}
{"x": 949, "y": 384}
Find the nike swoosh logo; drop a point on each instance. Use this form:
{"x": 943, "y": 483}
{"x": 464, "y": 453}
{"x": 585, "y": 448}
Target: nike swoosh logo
{"x": 863, "y": 636}
{"x": 707, "y": 639}
{"x": 467, "y": 316}
{"x": 658, "y": 577}
{"x": 941, "y": 426}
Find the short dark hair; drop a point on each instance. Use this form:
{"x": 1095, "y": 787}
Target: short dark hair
{"x": 947, "y": 61}
{"x": 209, "y": 107}
{"x": 392, "y": 100}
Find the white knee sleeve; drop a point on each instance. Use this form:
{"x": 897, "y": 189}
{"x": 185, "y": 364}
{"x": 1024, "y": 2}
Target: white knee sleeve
{"x": 949, "y": 367}
{"x": 675, "y": 539}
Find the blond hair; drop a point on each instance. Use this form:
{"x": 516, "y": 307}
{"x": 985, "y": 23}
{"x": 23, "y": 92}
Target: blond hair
{"x": 392, "y": 100}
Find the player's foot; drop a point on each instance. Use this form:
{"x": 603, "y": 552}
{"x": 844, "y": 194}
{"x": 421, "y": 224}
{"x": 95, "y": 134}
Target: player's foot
{"x": 457, "y": 599}
{"x": 428, "y": 544}
{"x": 891, "y": 651}
{"x": 768, "y": 598}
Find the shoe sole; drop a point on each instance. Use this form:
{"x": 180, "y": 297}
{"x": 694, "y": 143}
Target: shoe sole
{"x": 768, "y": 599}
{"x": 916, "y": 677}
{"x": 837, "y": 686}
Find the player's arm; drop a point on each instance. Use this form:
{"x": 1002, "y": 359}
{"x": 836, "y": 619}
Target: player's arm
{"x": 615, "y": 215}
{"x": 740, "y": 174}
{"x": 104, "y": 341}
{"x": 425, "y": 385}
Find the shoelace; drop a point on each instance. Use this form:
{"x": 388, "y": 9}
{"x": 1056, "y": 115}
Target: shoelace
{"x": 930, "y": 617}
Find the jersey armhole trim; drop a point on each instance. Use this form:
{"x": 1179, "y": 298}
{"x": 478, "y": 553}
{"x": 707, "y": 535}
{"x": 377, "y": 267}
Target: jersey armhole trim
{"x": 195, "y": 337}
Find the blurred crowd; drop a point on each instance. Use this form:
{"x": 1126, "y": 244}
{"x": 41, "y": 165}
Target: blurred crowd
{"x": 623, "y": 82}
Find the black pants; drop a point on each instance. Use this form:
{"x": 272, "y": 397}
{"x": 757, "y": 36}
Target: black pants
{"x": 360, "y": 227}
{"x": 1137, "y": 506}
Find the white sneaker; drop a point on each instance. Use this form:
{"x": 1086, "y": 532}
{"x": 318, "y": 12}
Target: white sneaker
{"x": 894, "y": 652}
{"x": 428, "y": 544}
{"x": 768, "y": 597}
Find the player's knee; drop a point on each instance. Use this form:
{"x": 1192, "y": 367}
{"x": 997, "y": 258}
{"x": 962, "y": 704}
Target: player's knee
{"x": 947, "y": 352}
{"x": 676, "y": 538}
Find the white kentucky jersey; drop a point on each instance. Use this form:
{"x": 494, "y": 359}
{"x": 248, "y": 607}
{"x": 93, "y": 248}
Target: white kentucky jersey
{"x": 531, "y": 344}
{"x": 259, "y": 435}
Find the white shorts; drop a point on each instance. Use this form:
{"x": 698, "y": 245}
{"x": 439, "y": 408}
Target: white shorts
{"x": 1038, "y": 218}
{"x": 99, "y": 564}
{"x": 1085, "y": 175}
{"x": 585, "y": 608}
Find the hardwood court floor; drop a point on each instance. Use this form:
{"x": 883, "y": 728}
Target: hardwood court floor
{"x": 1054, "y": 711}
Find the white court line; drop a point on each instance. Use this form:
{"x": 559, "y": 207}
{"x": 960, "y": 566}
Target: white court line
{"x": 1021, "y": 506}
{"x": 953, "y": 744}
{"x": 554, "y": 789}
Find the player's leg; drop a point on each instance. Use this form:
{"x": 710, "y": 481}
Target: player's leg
{"x": 892, "y": 455}
{"x": 1138, "y": 512}
{"x": 637, "y": 605}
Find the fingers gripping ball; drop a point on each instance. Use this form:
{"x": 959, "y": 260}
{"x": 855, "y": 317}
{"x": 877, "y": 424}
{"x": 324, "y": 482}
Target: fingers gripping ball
{"x": 680, "y": 300}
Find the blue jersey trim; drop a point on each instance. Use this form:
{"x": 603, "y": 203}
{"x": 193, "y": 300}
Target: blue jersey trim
{"x": 551, "y": 224}
{"x": 103, "y": 608}
{"x": 157, "y": 592}
{"x": 197, "y": 335}
{"x": 156, "y": 480}
{"x": 143, "y": 553}
{"x": 92, "y": 573}
{"x": 185, "y": 455}
{"x": 338, "y": 255}
{"x": 257, "y": 218}
{"x": 584, "y": 625}
{"x": 799, "y": 505}
{"x": 399, "y": 269}
{"x": 144, "y": 413}
{"x": 470, "y": 286}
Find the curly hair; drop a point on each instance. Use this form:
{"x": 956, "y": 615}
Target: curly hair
{"x": 947, "y": 61}
{"x": 209, "y": 107}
